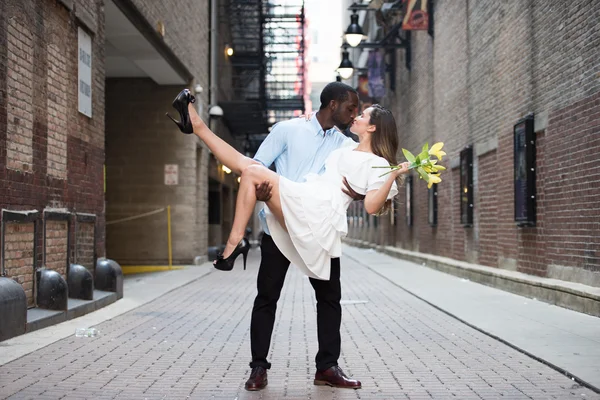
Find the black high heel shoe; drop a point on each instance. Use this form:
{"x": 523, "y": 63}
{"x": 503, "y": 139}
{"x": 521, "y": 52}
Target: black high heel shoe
{"x": 226, "y": 264}
{"x": 180, "y": 103}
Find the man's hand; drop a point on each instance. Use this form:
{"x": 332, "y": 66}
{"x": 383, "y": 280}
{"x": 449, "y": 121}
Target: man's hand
{"x": 263, "y": 191}
{"x": 350, "y": 192}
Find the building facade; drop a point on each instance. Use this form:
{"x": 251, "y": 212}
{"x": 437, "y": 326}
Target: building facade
{"x": 155, "y": 49}
{"x": 51, "y": 144}
{"x": 90, "y": 166}
{"x": 483, "y": 68}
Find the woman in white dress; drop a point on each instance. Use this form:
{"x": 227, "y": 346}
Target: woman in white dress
{"x": 307, "y": 220}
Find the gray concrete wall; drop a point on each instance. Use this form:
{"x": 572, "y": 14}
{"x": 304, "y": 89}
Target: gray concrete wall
{"x": 140, "y": 141}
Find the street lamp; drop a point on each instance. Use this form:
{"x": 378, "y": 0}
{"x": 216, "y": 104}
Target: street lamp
{"x": 346, "y": 68}
{"x": 354, "y": 33}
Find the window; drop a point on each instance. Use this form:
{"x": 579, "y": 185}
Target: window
{"x": 466, "y": 186}
{"x": 432, "y": 206}
{"x": 408, "y": 184}
{"x": 524, "y": 167}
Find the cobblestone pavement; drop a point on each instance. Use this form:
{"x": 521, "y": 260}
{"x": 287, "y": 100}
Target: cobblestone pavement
{"x": 194, "y": 343}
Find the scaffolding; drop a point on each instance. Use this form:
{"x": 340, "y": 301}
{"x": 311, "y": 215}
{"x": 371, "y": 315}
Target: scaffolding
{"x": 268, "y": 67}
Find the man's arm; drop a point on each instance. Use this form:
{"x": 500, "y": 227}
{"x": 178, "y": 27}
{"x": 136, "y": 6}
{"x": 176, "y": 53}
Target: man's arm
{"x": 271, "y": 148}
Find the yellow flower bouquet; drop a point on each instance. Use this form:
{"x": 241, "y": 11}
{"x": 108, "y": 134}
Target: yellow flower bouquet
{"x": 427, "y": 168}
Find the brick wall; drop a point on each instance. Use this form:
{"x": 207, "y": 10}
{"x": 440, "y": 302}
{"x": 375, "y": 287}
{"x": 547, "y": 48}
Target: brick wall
{"x": 85, "y": 245}
{"x": 487, "y": 66}
{"x": 18, "y": 256}
{"x": 56, "y": 246}
{"x": 57, "y": 112}
{"x": 51, "y": 156}
{"x": 572, "y": 190}
{"x": 487, "y": 204}
{"x": 19, "y": 81}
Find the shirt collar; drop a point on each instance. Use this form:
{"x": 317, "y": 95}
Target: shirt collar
{"x": 319, "y": 129}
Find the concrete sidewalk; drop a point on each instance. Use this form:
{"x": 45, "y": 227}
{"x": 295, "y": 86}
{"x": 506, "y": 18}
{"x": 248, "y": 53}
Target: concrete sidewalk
{"x": 185, "y": 334}
{"x": 565, "y": 339}
{"x": 139, "y": 290}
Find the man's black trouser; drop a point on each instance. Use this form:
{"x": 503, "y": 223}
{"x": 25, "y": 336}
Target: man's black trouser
{"x": 271, "y": 275}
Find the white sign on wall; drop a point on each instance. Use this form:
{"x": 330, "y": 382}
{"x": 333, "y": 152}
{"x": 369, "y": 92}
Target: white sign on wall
{"x": 85, "y": 73}
{"x": 171, "y": 174}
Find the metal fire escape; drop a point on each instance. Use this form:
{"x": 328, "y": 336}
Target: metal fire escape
{"x": 268, "y": 69}
{"x": 284, "y": 55}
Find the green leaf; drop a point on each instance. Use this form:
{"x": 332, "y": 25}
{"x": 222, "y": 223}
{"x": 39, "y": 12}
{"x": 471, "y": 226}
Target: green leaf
{"x": 424, "y": 155}
{"x": 425, "y": 148}
{"x": 423, "y": 174}
{"x": 409, "y": 156}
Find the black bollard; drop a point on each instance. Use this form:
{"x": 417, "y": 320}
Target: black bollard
{"x": 53, "y": 291}
{"x": 109, "y": 276}
{"x": 81, "y": 282}
{"x": 13, "y": 309}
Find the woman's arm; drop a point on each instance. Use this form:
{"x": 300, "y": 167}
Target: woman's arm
{"x": 225, "y": 153}
{"x": 375, "y": 199}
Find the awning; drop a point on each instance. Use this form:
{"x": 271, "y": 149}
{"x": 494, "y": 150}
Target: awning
{"x": 134, "y": 49}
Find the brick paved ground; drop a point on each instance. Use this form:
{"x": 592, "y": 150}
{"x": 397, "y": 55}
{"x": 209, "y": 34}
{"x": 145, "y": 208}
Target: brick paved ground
{"x": 194, "y": 343}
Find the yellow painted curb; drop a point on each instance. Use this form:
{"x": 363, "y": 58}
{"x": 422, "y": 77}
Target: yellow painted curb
{"x": 140, "y": 269}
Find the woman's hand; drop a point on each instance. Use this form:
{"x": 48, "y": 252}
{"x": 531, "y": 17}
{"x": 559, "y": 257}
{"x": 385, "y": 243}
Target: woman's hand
{"x": 308, "y": 116}
{"x": 402, "y": 170}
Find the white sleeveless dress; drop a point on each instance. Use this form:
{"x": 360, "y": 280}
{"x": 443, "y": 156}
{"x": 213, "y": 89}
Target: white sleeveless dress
{"x": 315, "y": 211}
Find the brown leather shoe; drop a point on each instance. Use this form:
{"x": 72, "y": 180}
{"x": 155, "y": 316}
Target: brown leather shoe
{"x": 258, "y": 379}
{"x": 335, "y": 377}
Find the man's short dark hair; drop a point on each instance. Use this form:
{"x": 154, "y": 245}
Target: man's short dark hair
{"x": 337, "y": 91}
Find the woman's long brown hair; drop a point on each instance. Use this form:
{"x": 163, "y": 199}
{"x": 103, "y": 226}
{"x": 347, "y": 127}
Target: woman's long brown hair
{"x": 384, "y": 141}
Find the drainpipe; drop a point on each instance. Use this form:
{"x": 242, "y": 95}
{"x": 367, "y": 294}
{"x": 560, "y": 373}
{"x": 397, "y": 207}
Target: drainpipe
{"x": 213, "y": 52}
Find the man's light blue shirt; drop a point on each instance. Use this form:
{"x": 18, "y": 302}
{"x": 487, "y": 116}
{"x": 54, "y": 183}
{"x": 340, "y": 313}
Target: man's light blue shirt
{"x": 298, "y": 147}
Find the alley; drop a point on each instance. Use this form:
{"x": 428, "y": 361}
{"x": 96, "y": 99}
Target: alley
{"x": 193, "y": 342}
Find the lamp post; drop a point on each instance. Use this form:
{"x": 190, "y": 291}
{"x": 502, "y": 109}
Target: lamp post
{"x": 390, "y": 42}
{"x": 354, "y": 33}
{"x": 346, "y": 68}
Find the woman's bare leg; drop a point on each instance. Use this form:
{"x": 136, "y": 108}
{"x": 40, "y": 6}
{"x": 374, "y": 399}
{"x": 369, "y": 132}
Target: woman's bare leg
{"x": 252, "y": 172}
{"x": 246, "y": 200}
{"x": 224, "y": 152}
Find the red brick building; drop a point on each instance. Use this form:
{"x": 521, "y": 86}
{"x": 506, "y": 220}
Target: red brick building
{"x": 51, "y": 154}
{"x": 486, "y": 66}
{"x": 84, "y": 87}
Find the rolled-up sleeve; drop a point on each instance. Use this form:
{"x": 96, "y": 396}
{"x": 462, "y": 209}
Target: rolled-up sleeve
{"x": 272, "y": 147}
